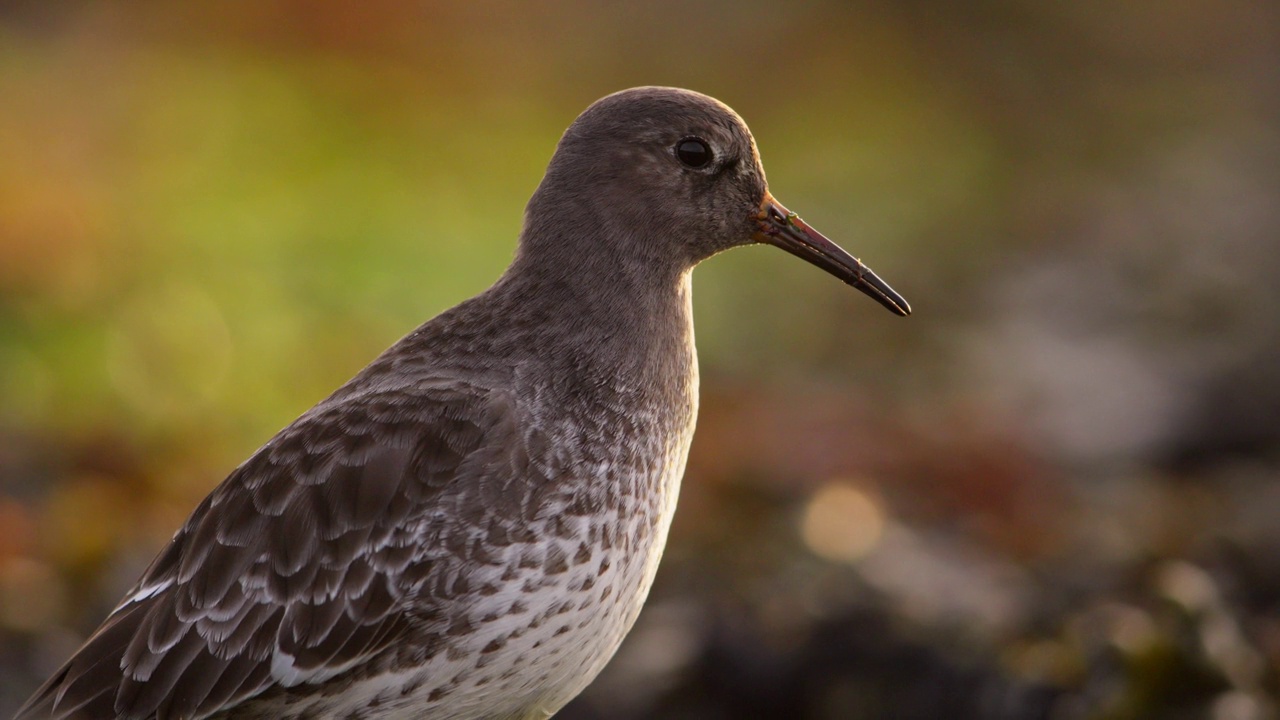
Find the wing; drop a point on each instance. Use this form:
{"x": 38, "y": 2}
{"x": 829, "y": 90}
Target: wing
{"x": 294, "y": 569}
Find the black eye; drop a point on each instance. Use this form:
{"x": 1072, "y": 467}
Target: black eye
{"x": 693, "y": 152}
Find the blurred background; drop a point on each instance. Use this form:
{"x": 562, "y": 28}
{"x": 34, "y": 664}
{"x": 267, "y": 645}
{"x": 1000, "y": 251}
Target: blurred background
{"x": 1053, "y": 492}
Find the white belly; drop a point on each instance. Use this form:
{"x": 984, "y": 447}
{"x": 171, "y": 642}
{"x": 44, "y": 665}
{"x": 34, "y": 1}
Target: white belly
{"x": 562, "y": 604}
{"x": 546, "y": 634}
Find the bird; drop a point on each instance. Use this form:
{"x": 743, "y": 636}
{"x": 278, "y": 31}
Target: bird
{"x": 468, "y": 528}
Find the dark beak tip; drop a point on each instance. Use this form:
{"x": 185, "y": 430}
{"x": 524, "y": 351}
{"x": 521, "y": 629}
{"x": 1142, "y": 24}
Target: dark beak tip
{"x": 895, "y": 304}
{"x": 782, "y": 228}
{"x": 902, "y": 308}
{"x": 871, "y": 285}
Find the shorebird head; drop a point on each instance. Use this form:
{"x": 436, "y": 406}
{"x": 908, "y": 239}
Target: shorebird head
{"x": 666, "y": 177}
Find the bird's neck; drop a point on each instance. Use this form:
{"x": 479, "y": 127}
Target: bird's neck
{"x": 616, "y": 317}
{"x": 608, "y": 267}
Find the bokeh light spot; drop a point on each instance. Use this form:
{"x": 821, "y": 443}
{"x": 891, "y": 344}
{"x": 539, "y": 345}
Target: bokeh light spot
{"x": 842, "y": 523}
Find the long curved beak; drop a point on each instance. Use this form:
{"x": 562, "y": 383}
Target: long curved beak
{"x": 782, "y": 228}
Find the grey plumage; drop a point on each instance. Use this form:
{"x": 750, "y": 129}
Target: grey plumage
{"x": 467, "y": 528}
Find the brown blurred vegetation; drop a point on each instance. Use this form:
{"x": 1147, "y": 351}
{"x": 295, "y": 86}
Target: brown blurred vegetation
{"x": 1054, "y": 492}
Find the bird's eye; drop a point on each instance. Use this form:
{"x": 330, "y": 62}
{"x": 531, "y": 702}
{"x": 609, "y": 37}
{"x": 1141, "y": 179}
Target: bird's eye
{"x": 694, "y": 152}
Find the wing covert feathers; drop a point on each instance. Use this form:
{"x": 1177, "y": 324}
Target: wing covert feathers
{"x": 296, "y": 569}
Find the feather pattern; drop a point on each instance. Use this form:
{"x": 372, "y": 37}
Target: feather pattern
{"x": 293, "y": 570}
{"x": 407, "y": 518}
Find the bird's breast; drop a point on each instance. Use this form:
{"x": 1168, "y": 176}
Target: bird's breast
{"x": 617, "y": 469}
